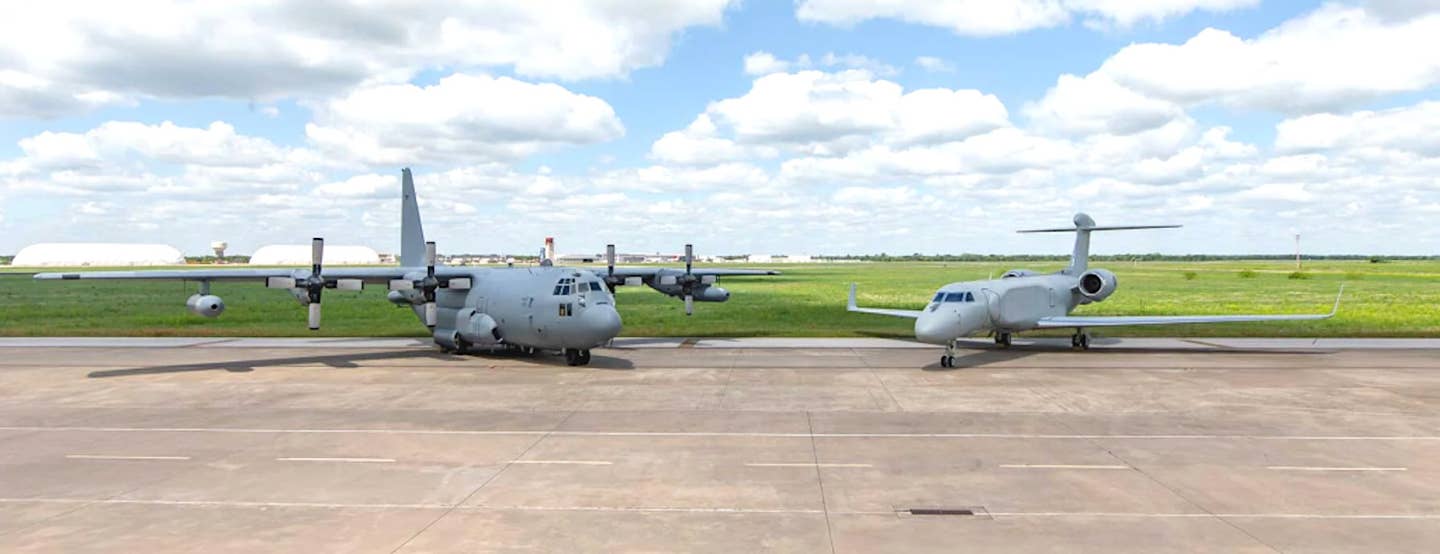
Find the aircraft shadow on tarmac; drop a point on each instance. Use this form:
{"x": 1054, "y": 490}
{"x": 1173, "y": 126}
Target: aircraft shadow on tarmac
{"x": 350, "y": 361}
{"x": 982, "y": 354}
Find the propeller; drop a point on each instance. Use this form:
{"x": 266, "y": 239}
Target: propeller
{"x": 314, "y": 285}
{"x": 610, "y": 267}
{"x": 689, "y": 280}
{"x": 428, "y": 285}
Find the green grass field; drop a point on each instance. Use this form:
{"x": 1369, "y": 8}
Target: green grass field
{"x": 1397, "y": 299}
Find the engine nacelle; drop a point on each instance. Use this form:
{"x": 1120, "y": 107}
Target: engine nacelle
{"x": 1018, "y": 273}
{"x": 477, "y": 328}
{"x": 206, "y": 305}
{"x": 1096, "y": 285}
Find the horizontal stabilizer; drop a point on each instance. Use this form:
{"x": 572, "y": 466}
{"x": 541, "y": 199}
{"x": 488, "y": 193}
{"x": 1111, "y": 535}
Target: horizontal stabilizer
{"x": 1111, "y": 228}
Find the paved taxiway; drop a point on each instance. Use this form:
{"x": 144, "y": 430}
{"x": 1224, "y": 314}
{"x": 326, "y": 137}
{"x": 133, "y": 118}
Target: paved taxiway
{"x": 724, "y": 446}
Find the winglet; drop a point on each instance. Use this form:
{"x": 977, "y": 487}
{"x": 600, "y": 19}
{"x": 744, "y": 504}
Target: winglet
{"x": 850, "y": 306}
{"x": 1336, "y": 309}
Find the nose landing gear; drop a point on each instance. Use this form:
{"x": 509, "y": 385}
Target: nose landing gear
{"x": 1080, "y": 340}
{"x": 948, "y": 358}
{"x": 576, "y": 357}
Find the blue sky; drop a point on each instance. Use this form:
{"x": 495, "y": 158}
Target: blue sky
{"x": 656, "y": 123}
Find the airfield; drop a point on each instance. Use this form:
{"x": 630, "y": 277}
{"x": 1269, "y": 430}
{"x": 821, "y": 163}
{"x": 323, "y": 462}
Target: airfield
{"x": 720, "y": 445}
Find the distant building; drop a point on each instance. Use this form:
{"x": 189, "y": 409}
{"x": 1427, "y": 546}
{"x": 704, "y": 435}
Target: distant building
{"x": 76, "y": 254}
{"x": 299, "y": 254}
{"x": 760, "y": 259}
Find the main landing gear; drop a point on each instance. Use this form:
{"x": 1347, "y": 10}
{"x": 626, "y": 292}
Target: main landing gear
{"x": 1080, "y": 340}
{"x": 1004, "y": 340}
{"x": 576, "y": 357}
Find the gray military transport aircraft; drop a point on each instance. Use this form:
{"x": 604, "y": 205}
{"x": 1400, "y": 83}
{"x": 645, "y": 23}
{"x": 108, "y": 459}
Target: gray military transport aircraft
{"x": 545, "y": 308}
{"x": 1024, "y": 300}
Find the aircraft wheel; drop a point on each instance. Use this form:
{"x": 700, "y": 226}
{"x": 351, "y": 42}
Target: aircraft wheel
{"x": 1004, "y": 340}
{"x": 584, "y": 357}
{"x": 572, "y": 356}
{"x": 1080, "y": 341}
{"x": 947, "y": 361}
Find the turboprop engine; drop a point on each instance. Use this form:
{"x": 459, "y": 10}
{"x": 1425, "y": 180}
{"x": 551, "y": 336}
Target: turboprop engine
{"x": 207, "y": 305}
{"x": 1096, "y": 285}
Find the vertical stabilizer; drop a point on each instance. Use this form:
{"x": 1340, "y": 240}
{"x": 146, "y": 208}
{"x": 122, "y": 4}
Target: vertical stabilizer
{"x": 1080, "y": 257}
{"x": 412, "y": 235}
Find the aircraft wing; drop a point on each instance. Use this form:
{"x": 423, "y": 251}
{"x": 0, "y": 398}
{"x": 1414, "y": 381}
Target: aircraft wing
{"x": 372, "y": 275}
{"x": 644, "y": 272}
{"x": 1117, "y": 321}
{"x": 912, "y": 314}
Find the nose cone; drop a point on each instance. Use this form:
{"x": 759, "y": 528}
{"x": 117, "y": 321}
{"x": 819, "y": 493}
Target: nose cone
{"x": 599, "y": 324}
{"x": 938, "y": 327}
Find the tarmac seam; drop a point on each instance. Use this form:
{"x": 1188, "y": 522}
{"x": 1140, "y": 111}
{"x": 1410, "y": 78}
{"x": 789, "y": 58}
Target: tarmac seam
{"x": 487, "y": 481}
{"x": 543, "y": 434}
{"x": 1176, "y": 491}
{"x": 690, "y": 509}
{"x": 820, "y": 480}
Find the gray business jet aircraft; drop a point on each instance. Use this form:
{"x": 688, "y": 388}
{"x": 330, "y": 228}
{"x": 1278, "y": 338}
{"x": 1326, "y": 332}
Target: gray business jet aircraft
{"x": 1023, "y": 300}
{"x": 570, "y": 310}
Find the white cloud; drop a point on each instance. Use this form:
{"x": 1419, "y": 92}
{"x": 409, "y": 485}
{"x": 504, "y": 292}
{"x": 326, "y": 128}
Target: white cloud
{"x": 1414, "y": 129}
{"x": 697, "y": 144}
{"x": 819, "y": 112}
{"x": 64, "y": 56}
{"x": 934, "y": 64}
{"x": 966, "y": 17}
{"x": 1095, "y": 104}
{"x": 989, "y": 18}
{"x": 764, "y": 63}
{"x": 1125, "y": 13}
{"x": 1331, "y": 58}
{"x": 1325, "y": 60}
{"x": 462, "y": 118}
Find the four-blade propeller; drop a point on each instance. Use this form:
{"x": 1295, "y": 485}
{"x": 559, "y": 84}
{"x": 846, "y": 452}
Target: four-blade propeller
{"x": 310, "y": 290}
{"x": 428, "y": 284}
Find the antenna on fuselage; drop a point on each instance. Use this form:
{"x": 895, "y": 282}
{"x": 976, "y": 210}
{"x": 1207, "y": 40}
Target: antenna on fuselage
{"x": 1084, "y": 224}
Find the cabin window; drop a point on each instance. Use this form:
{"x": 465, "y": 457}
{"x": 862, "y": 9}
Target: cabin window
{"x": 595, "y": 286}
{"x": 567, "y": 309}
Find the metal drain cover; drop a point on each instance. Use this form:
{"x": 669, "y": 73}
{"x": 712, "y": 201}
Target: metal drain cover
{"x": 952, "y": 511}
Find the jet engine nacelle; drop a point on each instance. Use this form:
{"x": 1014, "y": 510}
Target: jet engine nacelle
{"x": 206, "y": 305}
{"x": 1018, "y": 273}
{"x": 478, "y": 329}
{"x": 1096, "y": 285}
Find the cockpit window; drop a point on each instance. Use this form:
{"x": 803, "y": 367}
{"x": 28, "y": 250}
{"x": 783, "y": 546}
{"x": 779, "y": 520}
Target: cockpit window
{"x": 954, "y": 297}
{"x": 563, "y": 288}
{"x": 595, "y": 286}
{"x": 966, "y": 296}
{"x": 969, "y": 297}
{"x": 939, "y": 297}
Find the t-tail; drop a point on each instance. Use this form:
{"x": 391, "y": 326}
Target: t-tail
{"x": 1080, "y": 257}
{"x": 412, "y": 235}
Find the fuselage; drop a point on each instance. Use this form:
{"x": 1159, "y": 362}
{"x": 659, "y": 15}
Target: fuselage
{"x": 1009, "y": 304}
{"x": 548, "y": 308}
